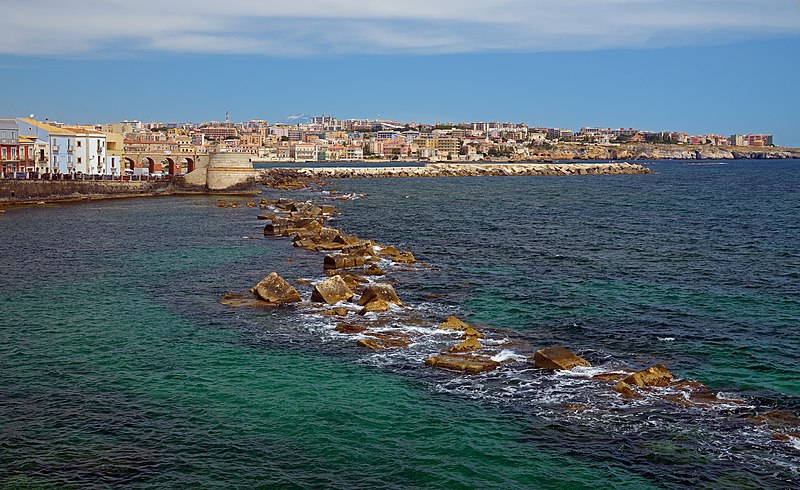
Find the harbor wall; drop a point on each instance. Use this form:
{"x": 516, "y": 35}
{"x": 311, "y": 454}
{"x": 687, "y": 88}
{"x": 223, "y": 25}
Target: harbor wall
{"x": 468, "y": 170}
{"x": 39, "y": 190}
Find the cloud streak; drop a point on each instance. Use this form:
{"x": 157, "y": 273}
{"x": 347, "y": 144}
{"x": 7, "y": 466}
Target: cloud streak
{"x": 324, "y": 27}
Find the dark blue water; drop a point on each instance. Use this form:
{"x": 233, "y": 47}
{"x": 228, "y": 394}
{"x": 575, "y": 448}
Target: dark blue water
{"x": 118, "y": 365}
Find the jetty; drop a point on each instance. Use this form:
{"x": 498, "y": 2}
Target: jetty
{"x": 464, "y": 170}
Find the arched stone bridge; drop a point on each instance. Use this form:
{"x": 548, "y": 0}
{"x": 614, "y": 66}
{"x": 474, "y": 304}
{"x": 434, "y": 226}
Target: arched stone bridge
{"x": 156, "y": 162}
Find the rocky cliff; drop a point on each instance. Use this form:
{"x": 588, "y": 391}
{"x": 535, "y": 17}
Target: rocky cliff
{"x": 643, "y": 151}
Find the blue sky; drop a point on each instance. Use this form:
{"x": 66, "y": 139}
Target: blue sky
{"x": 699, "y": 66}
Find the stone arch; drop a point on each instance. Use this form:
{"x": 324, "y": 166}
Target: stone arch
{"x": 128, "y": 164}
{"x": 151, "y": 165}
{"x": 190, "y": 164}
{"x": 172, "y": 167}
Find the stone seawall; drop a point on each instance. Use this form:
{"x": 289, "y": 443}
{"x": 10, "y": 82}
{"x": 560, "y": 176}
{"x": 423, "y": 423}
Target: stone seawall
{"x": 469, "y": 170}
{"x": 36, "y": 190}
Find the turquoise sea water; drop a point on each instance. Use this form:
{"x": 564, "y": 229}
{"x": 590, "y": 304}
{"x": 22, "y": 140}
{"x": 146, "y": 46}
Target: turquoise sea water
{"x": 118, "y": 365}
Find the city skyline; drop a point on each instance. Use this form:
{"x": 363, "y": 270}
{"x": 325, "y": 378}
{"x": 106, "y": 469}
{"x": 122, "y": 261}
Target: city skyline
{"x": 701, "y": 67}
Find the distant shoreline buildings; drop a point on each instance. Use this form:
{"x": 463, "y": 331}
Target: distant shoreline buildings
{"x": 135, "y": 148}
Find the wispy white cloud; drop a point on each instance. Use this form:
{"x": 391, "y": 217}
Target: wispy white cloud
{"x": 321, "y": 27}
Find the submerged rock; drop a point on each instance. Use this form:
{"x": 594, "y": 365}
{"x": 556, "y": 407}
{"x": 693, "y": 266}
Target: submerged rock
{"x": 465, "y": 363}
{"x": 396, "y": 255}
{"x": 385, "y": 340}
{"x": 373, "y": 270}
{"x": 276, "y": 289}
{"x": 625, "y": 390}
{"x": 350, "y": 328}
{"x": 340, "y": 311}
{"x": 331, "y": 291}
{"x": 557, "y": 358}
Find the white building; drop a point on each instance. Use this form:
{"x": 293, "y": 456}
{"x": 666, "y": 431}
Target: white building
{"x": 90, "y": 151}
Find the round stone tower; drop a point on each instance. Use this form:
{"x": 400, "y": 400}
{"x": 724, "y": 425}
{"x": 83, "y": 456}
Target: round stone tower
{"x": 230, "y": 172}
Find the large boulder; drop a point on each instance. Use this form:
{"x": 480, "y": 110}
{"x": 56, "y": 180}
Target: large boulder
{"x": 465, "y": 363}
{"x": 276, "y": 289}
{"x": 453, "y": 323}
{"x": 378, "y": 292}
{"x": 328, "y": 234}
{"x": 272, "y": 229}
{"x": 360, "y": 248}
{"x": 353, "y": 281}
{"x": 343, "y": 261}
{"x": 657, "y": 375}
{"x": 557, "y": 358}
{"x": 331, "y": 291}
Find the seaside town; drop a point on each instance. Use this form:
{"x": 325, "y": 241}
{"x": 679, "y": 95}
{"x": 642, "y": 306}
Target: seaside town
{"x": 29, "y": 146}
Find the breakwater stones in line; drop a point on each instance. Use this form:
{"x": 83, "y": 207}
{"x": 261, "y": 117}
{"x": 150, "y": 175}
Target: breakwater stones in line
{"x": 453, "y": 170}
{"x": 354, "y": 293}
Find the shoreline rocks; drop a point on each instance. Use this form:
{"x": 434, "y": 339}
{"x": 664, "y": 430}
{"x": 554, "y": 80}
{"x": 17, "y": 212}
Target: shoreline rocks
{"x": 275, "y": 289}
{"x": 557, "y": 358}
{"x": 331, "y": 291}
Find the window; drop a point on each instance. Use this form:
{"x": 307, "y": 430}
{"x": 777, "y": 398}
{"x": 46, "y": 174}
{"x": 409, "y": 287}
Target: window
{"x": 79, "y": 143}
{"x": 4, "y": 153}
{"x": 79, "y": 159}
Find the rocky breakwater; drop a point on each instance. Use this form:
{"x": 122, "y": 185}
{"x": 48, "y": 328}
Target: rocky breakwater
{"x": 459, "y": 170}
{"x": 357, "y": 302}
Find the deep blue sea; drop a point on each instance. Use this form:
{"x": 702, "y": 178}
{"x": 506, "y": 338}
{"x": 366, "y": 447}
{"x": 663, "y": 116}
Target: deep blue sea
{"x": 120, "y": 367}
